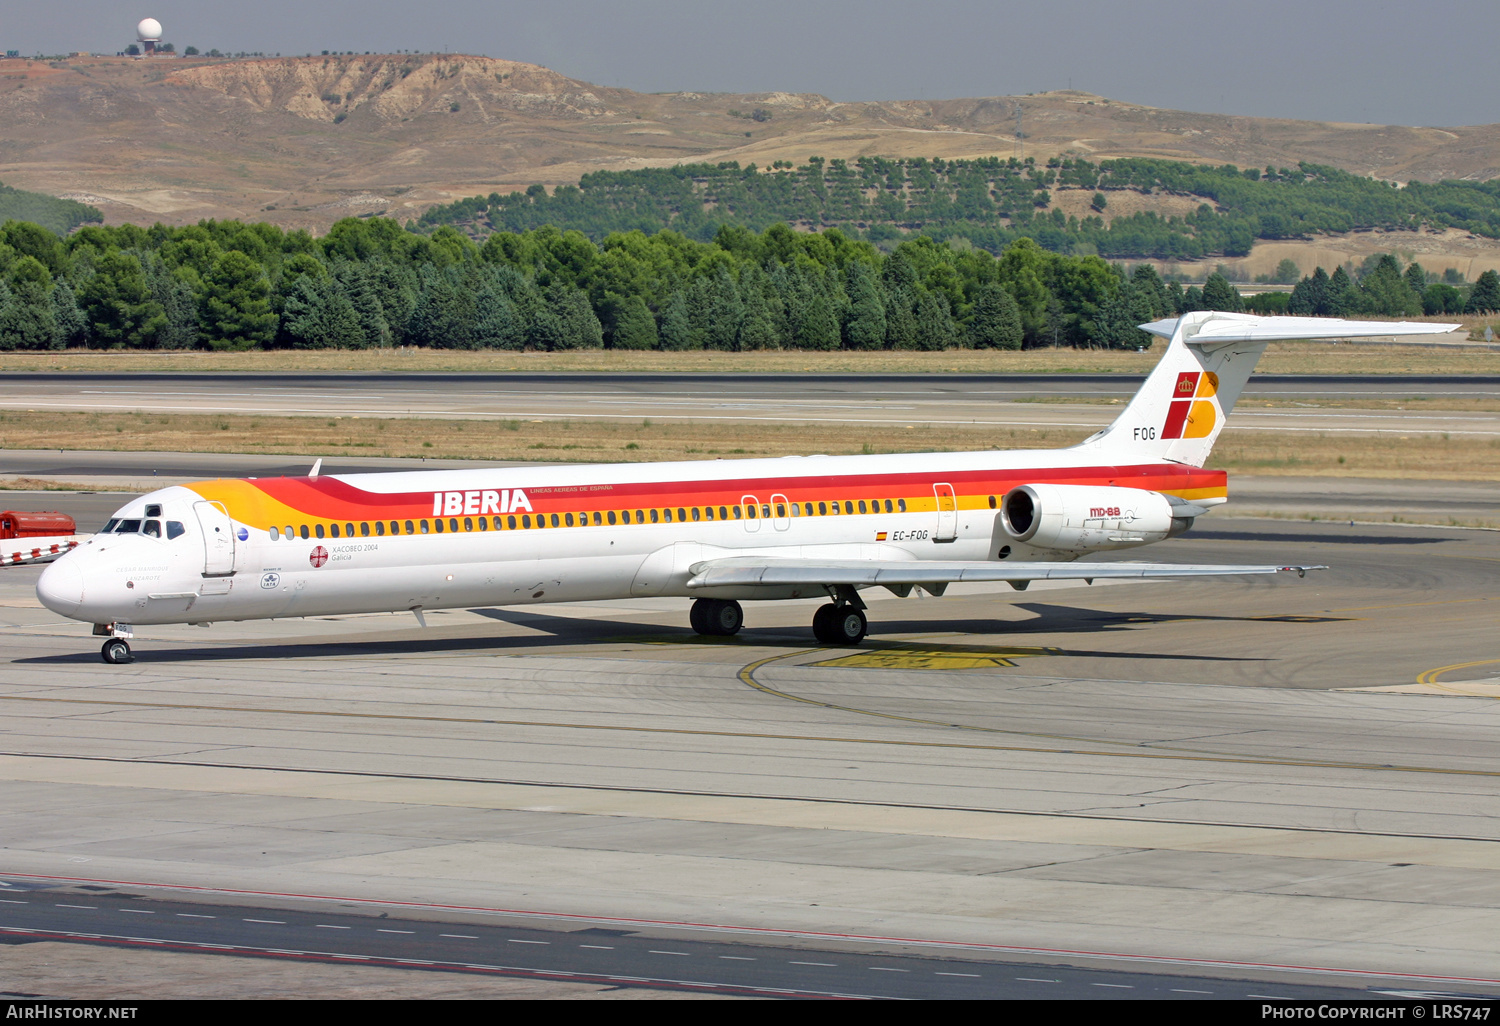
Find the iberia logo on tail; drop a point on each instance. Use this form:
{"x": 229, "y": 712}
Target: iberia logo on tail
{"x": 1192, "y": 413}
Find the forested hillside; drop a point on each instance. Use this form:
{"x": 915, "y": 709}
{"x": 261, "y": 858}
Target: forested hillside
{"x": 990, "y": 202}
{"x": 370, "y": 283}
{"x": 57, "y": 215}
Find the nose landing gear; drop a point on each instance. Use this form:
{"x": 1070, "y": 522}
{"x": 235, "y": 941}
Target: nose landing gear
{"x": 116, "y": 650}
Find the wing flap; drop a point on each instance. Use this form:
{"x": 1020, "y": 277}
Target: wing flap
{"x": 741, "y": 571}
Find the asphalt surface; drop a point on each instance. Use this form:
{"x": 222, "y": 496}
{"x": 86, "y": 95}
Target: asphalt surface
{"x": 1158, "y": 780}
{"x": 635, "y": 958}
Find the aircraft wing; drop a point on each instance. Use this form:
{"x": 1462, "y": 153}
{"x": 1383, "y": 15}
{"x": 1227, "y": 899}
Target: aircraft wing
{"x": 739, "y": 571}
{"x": 18, "y": 551}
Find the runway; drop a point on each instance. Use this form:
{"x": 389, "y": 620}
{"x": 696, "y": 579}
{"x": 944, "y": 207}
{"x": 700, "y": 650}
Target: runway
{"x": 1067, "y": 401}
{"x": 1175, "y": 774}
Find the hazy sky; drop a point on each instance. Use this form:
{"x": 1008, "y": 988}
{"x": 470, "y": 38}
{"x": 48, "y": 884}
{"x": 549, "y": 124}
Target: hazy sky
{"x": 1432, "y": 63}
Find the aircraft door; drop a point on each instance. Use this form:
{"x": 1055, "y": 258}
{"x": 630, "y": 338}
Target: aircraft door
{"x": 947, "y": 513}
{"x": 781, "y": 516}
{"x": 218, "y": 538}
{"x": 752, "y": 513}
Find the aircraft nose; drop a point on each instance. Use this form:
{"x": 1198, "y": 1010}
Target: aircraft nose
{"x": 60, "y": 588}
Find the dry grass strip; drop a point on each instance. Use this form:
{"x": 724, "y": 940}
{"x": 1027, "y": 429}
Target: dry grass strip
{"x": 1415, "y": 456}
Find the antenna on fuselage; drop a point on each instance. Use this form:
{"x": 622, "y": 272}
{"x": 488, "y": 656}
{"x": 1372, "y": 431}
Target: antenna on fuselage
{"x": 316, "y": 467}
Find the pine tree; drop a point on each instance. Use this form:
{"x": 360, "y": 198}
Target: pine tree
{"x": 1485, "y": 297}
{"x": 235, "y": 307}
{"x": 1341, "y": 296}
{"x": 26, "y": 319}
{"x": 676, "y": 328}
{"x": 580, "y": 327}
{"x": 117, "y": 301}
{"x": 357, "y": 286}
{"x": 69, "y": 325}
{"x": 900, "y": 322}
{"x": 996, "y": 321}
{"x": 497, "y": 325}
{"x": 178, "y": 302}
{"x": 866, "y": 324}
{"x": 1218, "y": 294}
{"x": 725, "y": 312}
{"x": 635, "y": 328}
{"x": 935, "y": 327}
{"x": 319, "y": 316}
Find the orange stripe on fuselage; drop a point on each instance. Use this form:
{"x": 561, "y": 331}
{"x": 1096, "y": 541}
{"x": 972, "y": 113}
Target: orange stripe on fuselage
{"x": 267, "y": 502}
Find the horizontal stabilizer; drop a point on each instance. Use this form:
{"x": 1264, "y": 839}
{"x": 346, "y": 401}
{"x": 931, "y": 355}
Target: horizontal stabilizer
{"x": 1232, "y": 327}
{"x": 741, "y": 571}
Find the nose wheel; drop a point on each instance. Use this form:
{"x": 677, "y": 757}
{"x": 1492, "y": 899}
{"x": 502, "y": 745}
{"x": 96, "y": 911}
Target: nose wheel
{"x": 116, "y": 651}
{"x": 717, "y": 618}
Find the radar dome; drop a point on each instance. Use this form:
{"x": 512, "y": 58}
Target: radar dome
{"x": 148, "y": 29}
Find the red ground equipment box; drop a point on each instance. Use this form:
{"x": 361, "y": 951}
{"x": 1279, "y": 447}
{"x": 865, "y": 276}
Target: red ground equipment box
{"x": 23, "y": 524}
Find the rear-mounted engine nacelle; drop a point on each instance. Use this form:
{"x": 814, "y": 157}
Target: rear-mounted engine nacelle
{"x": 1083, "y": 518}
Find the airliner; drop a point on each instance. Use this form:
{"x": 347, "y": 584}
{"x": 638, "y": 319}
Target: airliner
{"x": 723, "y": 532}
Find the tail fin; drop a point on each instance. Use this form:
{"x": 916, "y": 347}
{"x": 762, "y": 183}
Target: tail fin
{"x": 1178, "y": 413}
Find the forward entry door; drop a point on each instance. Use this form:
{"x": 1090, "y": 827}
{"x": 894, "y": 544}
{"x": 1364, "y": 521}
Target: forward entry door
{"x": 218, "y": 539}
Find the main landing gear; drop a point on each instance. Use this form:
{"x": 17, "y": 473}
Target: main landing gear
{"x": 840, "y": 622}
{"x": 721, "y": 618}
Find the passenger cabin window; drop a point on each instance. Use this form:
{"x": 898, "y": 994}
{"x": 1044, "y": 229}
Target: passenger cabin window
{"x": 275, "y": 534}
{"x": 175, "y": 529}
{"x": 655, "y": 516}
{"x": 304, "y": 532}
{"x": 318, "y": 530}
{"x": 453, "y": 525}
{"x": 423, "y": 523}
{"x": 887, "y": 505}
{"x": 708, "y": 512}
{"x": 781, "y": 509}
{"x": 409, "y": 527}
{"x": 598, "y": 518}
{"x": 568, "y": 519}
{"x": 749, "y": 512}
{"x": 666, "y": 515}
{"x": 437, "y": 525}
{"x": 333, "y": 529}
{"x": 681, "y": 516}
{"x": 901, "y": 505}
{"x": 862, "y": 505}
{"x": 380, "y": 528}
{"x": 555, "y": 521}
{"x": 848, "y": 506}
{"x": 695, "y": 512}
{"x": 468, "y": 523}
{"x": 510, "y": 522}
{"x": 364, "y": 529}
{"x": 822, "y": 509}
{"x": 348, "y": 530}
{"x": 724, "y": 513}
{"x": 736, "y": 512}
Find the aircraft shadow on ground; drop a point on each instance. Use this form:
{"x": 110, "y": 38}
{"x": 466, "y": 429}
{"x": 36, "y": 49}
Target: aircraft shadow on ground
{"x": 1333, "y": 539}
{"x": 568, "y": 631}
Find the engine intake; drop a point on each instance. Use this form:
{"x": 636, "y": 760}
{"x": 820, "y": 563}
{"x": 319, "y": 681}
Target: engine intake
{"x": 1086, "y": 518}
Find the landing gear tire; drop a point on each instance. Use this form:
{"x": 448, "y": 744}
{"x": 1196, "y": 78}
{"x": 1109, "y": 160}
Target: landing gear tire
{"x": 721, "y": 618}
{"x": 840, "y": 625}
{"x": 115, "y": 651}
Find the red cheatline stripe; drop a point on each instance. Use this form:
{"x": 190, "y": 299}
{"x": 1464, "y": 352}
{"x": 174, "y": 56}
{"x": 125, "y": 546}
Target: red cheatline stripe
{"x": 330, "y": 499}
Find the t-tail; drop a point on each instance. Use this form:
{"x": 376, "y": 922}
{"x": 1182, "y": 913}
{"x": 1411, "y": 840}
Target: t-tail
{"x": 1178, "y": 413}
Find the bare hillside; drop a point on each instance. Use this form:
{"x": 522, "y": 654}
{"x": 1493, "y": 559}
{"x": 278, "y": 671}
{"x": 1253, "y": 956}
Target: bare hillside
{"x": 305, "y": 141}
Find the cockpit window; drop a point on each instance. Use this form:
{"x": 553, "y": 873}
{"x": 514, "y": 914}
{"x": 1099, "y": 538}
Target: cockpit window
{"x": 109, "y": 526}
{"x": 128, "y": 527}
{"x": 153, "y": 510}
{"x": 175, "y": 529}
{"x": 152, "y": 528}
